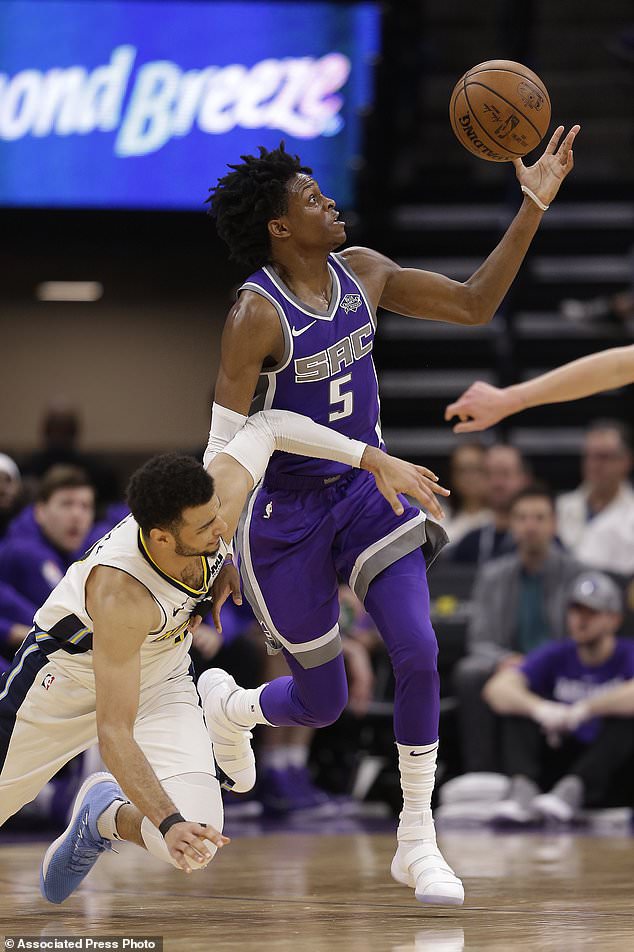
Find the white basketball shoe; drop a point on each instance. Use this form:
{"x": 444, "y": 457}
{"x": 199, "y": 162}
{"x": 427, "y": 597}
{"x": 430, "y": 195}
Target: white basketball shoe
{"x": 231, "y": 743}
{"x": 419, "y": 864}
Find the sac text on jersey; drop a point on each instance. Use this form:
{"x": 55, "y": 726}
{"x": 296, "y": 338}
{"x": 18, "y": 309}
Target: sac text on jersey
{"x": 327, "y": 363}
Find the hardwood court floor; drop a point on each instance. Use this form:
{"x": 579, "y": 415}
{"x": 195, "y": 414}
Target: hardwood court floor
{"x": 312, "y": 893}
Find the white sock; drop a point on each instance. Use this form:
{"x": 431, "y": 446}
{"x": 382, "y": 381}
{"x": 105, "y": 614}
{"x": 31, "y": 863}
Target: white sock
{"x": 417, "y": 766}
{"x": 107, "y": 821}
{"x": 243, "y": 707}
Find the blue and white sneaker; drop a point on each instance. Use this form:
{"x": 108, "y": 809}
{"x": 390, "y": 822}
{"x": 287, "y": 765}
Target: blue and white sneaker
{"x": 69, "y": 859}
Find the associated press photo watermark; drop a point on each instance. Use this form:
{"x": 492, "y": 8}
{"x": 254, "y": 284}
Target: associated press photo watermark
{"x": 113, "y": 943}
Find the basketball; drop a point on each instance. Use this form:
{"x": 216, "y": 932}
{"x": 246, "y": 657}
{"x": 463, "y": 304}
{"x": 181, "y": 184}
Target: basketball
{"x": 500, "y": 110}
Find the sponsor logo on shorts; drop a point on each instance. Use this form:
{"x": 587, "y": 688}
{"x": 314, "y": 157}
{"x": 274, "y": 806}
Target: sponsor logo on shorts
{"x": 48, "y": 680}
{"x": 268, "y": 510}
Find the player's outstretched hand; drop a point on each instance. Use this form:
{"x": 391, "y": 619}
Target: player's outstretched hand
{"x": 394, "y": 476}
{"x": 544, "y": 178}
{"x": 480, "y": 406}
{"x": 190, "y": 840}
{"x": 227, "y": 583}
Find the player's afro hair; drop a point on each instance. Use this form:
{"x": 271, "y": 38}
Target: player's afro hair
{"x": 159, "y": 491}
{"x": 248, "y": 197}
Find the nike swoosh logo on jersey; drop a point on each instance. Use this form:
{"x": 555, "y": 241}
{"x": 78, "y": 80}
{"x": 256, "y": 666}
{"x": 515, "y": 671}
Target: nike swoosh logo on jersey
{"x": 297, "y": 333}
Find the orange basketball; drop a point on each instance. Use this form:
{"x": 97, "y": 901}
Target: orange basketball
{"x": 500, "y": 110}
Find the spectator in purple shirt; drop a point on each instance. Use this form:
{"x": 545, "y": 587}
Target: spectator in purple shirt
{"x": 33, "y": 564}
{"x": 569, "y": 712}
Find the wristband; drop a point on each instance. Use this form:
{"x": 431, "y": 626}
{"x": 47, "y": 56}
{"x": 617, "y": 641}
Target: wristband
{"x": 533, "y": 197}
{"x": 169, "y": 822}
{"x": 202, "y": 608}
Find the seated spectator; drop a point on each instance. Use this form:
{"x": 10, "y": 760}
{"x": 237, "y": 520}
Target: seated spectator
{"x": 506, "y": 473}
{"x": 596, "y": 521}
{"x": 467, "y": 509}
{"x": 519, "y": 603}
{"x": 10, "y": 485}
{"x": 63, "y": 515}
{"x": 568, "y": 712}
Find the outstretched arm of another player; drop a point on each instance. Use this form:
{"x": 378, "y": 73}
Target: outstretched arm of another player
{"x": 123, "y": 613}
{"x": 483, "y": 405}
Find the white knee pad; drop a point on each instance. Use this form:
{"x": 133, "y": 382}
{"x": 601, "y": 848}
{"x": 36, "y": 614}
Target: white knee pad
{"x": 197, "y": 798}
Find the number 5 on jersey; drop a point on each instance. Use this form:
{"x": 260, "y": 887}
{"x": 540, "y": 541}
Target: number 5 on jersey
{"x": 343, "y": 397}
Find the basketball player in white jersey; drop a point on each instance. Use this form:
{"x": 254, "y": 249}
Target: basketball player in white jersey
{"x": 108, "y": 658}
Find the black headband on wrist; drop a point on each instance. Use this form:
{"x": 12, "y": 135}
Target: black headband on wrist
{"x": 169, "y": 821}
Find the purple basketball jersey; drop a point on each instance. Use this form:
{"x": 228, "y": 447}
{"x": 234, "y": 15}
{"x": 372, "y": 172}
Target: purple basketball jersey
{"x": 327, "y": 372}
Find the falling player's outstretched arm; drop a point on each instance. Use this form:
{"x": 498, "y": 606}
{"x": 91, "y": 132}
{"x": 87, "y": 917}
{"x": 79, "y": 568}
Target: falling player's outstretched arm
{"x": 124, "y": 613}
{"x": 243, "y": 461}
{"x": 483, "y": 405}
{"x": 423, "y": 294}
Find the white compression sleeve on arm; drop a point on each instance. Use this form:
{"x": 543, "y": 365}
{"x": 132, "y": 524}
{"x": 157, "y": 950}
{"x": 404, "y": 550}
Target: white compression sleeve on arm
{"x": 289, "y": 432}
{"x": 224, "y": 426}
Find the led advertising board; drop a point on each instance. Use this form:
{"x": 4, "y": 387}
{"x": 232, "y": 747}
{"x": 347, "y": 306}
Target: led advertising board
{"x": 142, "y": 103}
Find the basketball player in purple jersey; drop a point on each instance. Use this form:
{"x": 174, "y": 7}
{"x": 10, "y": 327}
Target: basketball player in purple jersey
{"x": 303, "y": 326}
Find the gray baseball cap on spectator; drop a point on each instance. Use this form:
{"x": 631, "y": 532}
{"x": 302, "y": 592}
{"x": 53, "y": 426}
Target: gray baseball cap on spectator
{"x": 597, "y": 591}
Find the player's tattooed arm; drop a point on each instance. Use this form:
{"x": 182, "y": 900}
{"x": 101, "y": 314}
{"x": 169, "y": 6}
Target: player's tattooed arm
{"x": 252, "y": 338}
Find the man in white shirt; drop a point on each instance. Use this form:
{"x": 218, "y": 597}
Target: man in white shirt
{"x": 596, "y": 521}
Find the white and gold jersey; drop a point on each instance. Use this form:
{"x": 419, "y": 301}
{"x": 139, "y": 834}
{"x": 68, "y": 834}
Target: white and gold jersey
{"x": 63, "y": 627}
